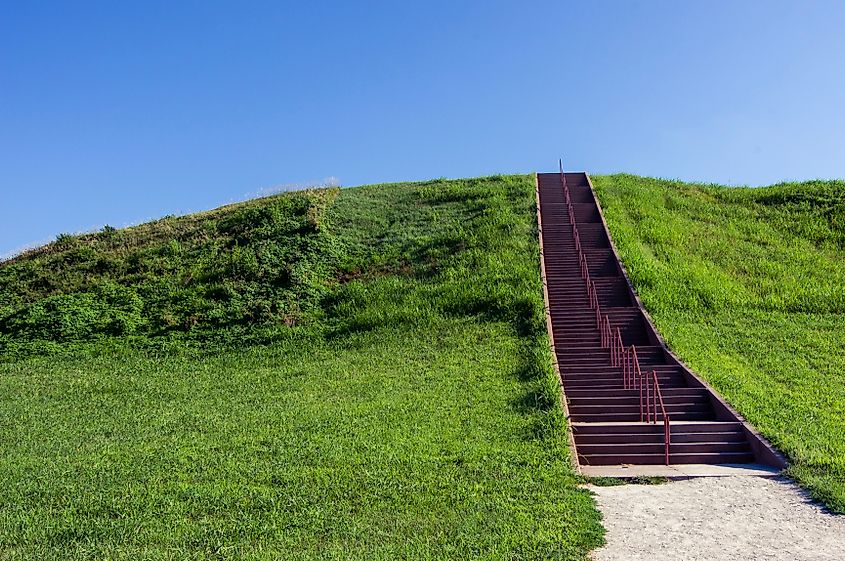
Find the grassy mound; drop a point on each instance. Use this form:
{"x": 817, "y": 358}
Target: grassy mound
{"x": 219, "y": 274}
{"x": 748, "y": 287}
{"x": 354, "y": 374}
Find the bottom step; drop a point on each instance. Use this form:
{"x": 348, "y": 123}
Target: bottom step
{"x": 656, "y": 459}
{"x": 681, "y": 471}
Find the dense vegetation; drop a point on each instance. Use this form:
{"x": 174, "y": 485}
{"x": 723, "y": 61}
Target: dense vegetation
{"x": 748, "y": 286}
{"x": 220, "y": 273}
{"x": 334, "y": 374}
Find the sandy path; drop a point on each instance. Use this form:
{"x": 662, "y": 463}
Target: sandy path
{"x": 716, "y": 519}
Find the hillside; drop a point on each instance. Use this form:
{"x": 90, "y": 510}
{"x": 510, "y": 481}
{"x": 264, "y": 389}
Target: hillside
{"x": 748, "y": 287}
{"x": 359, "y": 374}
{"x": 364, "y": 373}
{"x": 218, "y": 274}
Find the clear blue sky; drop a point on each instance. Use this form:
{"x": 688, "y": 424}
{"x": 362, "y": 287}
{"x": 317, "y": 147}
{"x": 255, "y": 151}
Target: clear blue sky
{"x": 118, "y": 112}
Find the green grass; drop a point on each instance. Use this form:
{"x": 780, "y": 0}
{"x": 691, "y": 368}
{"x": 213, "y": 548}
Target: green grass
{"x": 359, "y": 374}
{"x": 748, "y": 287}
{"x": 617, "y": 481}
{"x": 214, "y": 276}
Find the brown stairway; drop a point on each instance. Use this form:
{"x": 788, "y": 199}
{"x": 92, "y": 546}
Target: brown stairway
{"x": 616, "y": 407}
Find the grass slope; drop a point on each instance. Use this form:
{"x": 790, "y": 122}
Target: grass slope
{"x": 748, "y": 287}
{"x": 219, "y": 275}
{"x": 355, "y": 374}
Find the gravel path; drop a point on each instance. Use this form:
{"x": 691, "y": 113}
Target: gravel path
{"x": 717, "y": 519}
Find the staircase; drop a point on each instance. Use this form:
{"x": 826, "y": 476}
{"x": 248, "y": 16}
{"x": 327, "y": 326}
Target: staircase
{"x": 609, "y": 398}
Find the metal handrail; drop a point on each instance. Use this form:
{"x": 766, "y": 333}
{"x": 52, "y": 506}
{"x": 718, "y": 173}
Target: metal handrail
{"x": 587, "y": 276}
{"x": 658, "y": 400}
{"x": 603, "y": 333}
{"x": 628, "y": 354}
{"x": 632, "y": 376}
{"x": 618, "y": 349}
{"x": 636, "y": 377}
{"x": 562, "y": 175}
{"x": 626, "y": 370}
{"x": 651, "y": 397}
{"x": 585, "y": 268}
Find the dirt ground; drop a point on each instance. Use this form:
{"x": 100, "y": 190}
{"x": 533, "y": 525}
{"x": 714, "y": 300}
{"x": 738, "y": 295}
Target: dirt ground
{"x": 717, "y": 519}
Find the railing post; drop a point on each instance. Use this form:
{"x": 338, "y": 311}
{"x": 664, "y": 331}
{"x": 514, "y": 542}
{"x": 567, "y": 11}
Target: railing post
{"x": 562, "y": 175}
{"x": 616, "y": 361}
{"x": 613, "y": 361}
{"x": 654, "y": 374}
{"x": 603, "y": 336}
{"x": 624, "y": 368}
{"x": 614, "y": 358}
{"x": 618, "y": 348}
{"x": 642, "y": 412}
